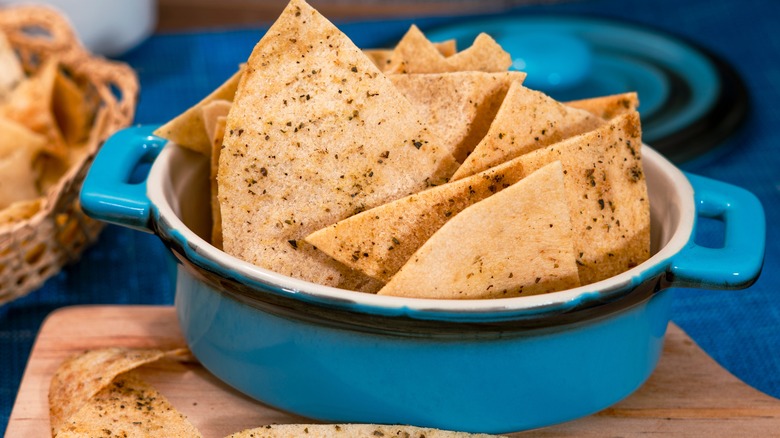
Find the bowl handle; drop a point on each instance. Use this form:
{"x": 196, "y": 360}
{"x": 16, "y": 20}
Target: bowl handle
{"x": 738, "y": 263}
{"x": 108, "y": 194}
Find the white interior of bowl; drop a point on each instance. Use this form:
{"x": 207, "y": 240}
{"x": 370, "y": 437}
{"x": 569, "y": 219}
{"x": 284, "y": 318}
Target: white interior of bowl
{"x": 179, "y": 188}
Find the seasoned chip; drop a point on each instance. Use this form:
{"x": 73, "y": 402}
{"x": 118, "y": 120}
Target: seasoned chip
{"x": 334, "y": 137}
{"x": 608, "y": 107}
{"x": 379, "y": 241}
{"x": 216, "y": 216}
{"x": 30, "y": 104}
{"x": 19, "y": 146}
{"x": 516, "y": 242}
{"x": 350, "y": 431}
{"x": 381, "y": 57}
{"x": 527, "y": 120}
{"x": 188, "y": 129}
{"x": 607, "y": 196}
{"x": 459, "y": 105}
{"x": 78, "y": 379}
{"x": 212, "y": 112}
{"x": 128, "y": 407}
{"x": 415, "y": 54}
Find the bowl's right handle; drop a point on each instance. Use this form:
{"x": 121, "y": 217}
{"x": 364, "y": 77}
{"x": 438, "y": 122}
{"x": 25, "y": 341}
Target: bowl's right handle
{"x": 738, "y": 263}
{"x": 108, "y": 194}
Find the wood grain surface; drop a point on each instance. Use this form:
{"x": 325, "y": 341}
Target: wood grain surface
{"x": 688, "y": 395}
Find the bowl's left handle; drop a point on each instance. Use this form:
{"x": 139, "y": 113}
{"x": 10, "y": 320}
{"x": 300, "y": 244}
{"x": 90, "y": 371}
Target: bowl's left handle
{"x": 738, "y": 263}
{"x": 108, "y": 194}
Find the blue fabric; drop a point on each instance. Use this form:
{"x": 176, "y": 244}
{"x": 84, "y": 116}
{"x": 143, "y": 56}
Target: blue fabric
{"x": 740, "y": 329}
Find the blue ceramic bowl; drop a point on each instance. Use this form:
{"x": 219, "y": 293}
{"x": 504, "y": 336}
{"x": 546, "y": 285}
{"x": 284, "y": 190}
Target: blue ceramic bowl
{"x": 495, "y": 365}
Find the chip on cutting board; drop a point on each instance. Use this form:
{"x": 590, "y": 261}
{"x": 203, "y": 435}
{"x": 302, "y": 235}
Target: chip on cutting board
{"x": 187, "y": 129}
{"x": 316, "y": 134}
{"x": 459, "y": 105}
{"x": 517, "y": 242}
{"x": 527, "y": 120}
{"x": 607, "y": 196}
{"x": 128, "y": 407}
{"x": 350, "y": 431}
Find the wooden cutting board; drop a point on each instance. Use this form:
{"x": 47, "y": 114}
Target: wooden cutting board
{"x": 688, "y": 395}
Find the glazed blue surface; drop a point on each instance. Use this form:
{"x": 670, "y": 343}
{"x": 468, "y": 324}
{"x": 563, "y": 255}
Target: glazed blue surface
{"x": 740, "y": 330}
{"x": 508, "y": 383}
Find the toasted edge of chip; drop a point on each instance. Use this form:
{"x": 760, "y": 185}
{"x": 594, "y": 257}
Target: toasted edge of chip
{"x": 216, "y": 216}
{"x": 527, "y": 120}
{"x": 608, "y": 107}
{"x": 485, "y": 54}
{"x": 517, "y": 242}
{"x": 350, "y": 430}
{"x": 414, "y": 53}
{"x": 128, "y": 406}
{"x": 82, "y": 376}
{"x": 187, "y": 129}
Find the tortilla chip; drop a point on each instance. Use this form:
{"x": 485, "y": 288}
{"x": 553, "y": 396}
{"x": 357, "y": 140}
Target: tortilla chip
{"x": 73, "y": 109}
{"x": 379, "y": 241}
{"x": 20, "y": 211}
{"x": 416, "y": 54}
{"x": 485, "y": 54}
{"x": 19, "y": 146}
{"x": 30, "y": 104}
{"x": 11, "y": 72}
{"x": 607, "y": 196}
{"x": 527, "y": 120}
{"x": 381, "y": 57}
{"x": 188, "y": 129}
{"x": 516, "y": 242}
{"x": 128, "y": 407}
{"x": 333, "y": 137}
{"x": 216, "y": 217}
{"x": 459, "y": 105}
{"x": 608, "y": 107}
{"x": 350, "y": 431}
{"x": 212, "y": 112}
{"x": 81, "y": 377}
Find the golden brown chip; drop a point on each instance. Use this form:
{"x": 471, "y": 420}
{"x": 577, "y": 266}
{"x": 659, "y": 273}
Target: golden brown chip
{"x": 20, "y": 211}
{"x": 11, "y": 72}
{"x": 188, "y": 129}
{"x": 607, "y": 196}
{"x": 527, "y": 120}
{"x": 416, "y": 54}
{"x": 516, "y": 242}
{"x": 379, "y": 241}
{"x": 73, "y": 109}
{"x": 459, "y": 105}
{"x": 351, "y": 431}
{"x": 216, "y": 217}
{"x": 79, "y": 378}
{"x": 127, "y": 407}
{"x": 608, "y": 107}
{"x": 333, "y": 137}
{"x": 381, "y": 57}
{"x": 30, "y": 104}
{"x": 19, "y": 146}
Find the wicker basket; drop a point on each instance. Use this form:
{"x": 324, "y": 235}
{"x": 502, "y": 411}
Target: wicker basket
{"x": 37, "y": 248}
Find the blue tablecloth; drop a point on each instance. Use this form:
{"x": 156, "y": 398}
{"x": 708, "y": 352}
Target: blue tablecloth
{"x": 740, "y": 329}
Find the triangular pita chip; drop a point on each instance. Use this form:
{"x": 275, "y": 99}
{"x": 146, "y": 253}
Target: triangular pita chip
{"x": 379, "y": 241}
{"x": 459, "y": 105}
{"x": 316, "y": 134}
{"x": 11, "y": 72}
{"x": 19, "y": 146}
{"x": 607, "y": 196}
{"x": 73, "y": 109}
{"x": 212, "y": 112}
{"x": 527, "y": 120}
{"x": 128, "y": 407}
{"x": 188, "y": 129}
{"x": 608, "y": 107}
{"x": 81, "y": 377}
{"x": 350, "y": 431}
{"x": 516, "y": 242}
{"x": 381, "y": 57}
{"x": 416, "y": 54}
{"x": 30, "y": 104}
